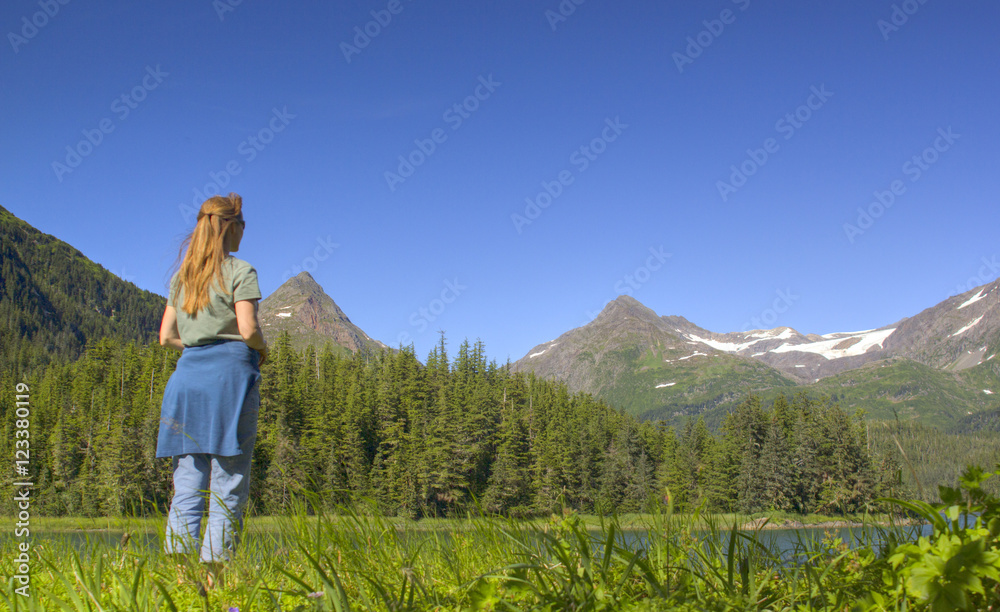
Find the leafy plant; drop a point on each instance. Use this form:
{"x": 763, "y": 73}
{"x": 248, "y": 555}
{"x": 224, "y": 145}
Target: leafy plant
{"x": 957, "y": 567}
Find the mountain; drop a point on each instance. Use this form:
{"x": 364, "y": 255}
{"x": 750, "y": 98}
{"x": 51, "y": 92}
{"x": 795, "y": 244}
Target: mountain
{"x": 936, "y": 367}
{"x": 634, "y": 359}
{"x": 310, "y": 316}
{"x": 53, "y": 300}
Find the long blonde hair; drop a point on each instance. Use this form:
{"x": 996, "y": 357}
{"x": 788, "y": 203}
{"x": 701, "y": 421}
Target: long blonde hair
{"x": 202, "y": 252}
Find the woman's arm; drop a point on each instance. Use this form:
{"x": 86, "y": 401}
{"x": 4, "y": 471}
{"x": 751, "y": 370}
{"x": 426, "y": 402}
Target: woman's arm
{"x": 246, "y": 318}
{"x": 169, "y": 336}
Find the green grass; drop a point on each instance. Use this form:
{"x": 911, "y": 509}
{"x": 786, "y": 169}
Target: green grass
{"x": 358, "y": 561}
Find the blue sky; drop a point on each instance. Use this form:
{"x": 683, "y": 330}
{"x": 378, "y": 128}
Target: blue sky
{"x": 622, "y": 123}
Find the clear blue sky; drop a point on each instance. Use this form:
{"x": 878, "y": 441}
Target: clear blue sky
{"x": 204, "y": 88}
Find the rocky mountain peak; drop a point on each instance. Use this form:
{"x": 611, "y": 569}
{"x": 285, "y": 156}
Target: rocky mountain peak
{"x": 625, "y": 306}
{"x": 302, "y": 308}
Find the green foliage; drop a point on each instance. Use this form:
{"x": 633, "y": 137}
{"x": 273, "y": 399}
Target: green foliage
{"x": 957, "y": 567}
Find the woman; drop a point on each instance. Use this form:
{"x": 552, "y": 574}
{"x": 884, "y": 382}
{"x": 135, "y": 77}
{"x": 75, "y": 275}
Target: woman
{"x": 208, "y": 421}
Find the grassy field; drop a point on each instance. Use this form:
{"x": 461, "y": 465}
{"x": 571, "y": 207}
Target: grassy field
{"x": 358, "y": 561}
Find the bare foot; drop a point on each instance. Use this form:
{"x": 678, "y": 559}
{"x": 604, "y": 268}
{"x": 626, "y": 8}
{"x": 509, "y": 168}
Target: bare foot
{"x": 214, "y": 576}
{"x": 181, "y": 571}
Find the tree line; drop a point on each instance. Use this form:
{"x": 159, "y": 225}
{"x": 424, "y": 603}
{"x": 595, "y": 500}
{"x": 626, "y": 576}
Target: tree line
{"x": 435, "y": 440}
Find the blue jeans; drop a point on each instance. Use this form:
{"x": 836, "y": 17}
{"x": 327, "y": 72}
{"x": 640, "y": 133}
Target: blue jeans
{"x": 223, "y": 483}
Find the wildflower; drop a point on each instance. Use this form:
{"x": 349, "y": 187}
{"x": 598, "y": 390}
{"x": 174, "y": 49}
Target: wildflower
{"x": 234, "y": 609}
{"x": 315, "y": 595}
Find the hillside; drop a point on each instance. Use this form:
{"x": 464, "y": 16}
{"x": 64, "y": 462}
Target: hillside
{"x": 891, "y": 389}
{"x": 53, "y": 300}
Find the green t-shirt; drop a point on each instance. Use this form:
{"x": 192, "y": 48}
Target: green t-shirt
{"x": 217, "y": 321}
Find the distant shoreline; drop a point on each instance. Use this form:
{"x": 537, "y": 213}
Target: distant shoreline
{"x": 722, "y": 522}
{"x": 759, "y": 524}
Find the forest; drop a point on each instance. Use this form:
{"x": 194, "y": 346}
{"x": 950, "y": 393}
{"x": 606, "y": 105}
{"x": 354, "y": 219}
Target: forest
{"x": 438, "y": 439}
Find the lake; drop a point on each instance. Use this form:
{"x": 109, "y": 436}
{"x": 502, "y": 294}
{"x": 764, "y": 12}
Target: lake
{"x": 788, "y": 543}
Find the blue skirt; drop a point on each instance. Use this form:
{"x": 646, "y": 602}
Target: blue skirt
{"x": 211, "y": 401}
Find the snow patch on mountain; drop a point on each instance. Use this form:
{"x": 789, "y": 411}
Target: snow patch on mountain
{"x": 827, "y": 348}
{"x": 665, "y": 385}
{"x": 967, "y": 327}
{"x": 729, "y": 347}
{"x": 695, "y": 355}
{"x": 736, "y": 347}
{"x": 538, "y": 354}
{"x": 283, "y": 315}
{"x": 973, "y": 299}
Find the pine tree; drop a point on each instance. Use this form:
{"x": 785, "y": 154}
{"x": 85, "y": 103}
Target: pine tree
{"x": 509, "y": 489}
